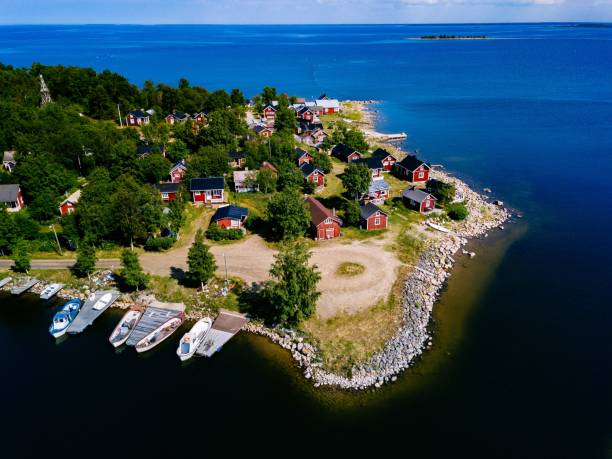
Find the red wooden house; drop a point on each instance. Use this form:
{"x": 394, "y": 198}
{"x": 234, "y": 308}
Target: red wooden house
{"x": 178, "y": 171}
{"x": 137, "y": 118}
{"x": 302, "y": 157}
{"x": 269, "y": 113}
{"x": 231, "y": 216}
{"x": 200, "y": 117}
{"x": 378, "y": 192}
{"x": 207, "y": 190}
{"x": 324, "y": 222}
{"x": 412, "y": 169}
{"x": 419, "y": 200}
{"x": 270, "y": 167}
{"x": 263, "y": 131}
{"x": 387, "y": 159}
{"x": 68, "y": 205}
{"x": 374, "y": 165}
{"x": 168, "y": 191}
{"x": 306, "y": 114}
{"x": 346, "y": 154}
{"x": 373, "y": 218}
{"x": 177, "y": 117}
{"x": 313, "y": 175}
{"x": 11, "y": 197}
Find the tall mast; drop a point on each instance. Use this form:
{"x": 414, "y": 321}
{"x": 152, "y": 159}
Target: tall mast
{"x": 45, "y": 95}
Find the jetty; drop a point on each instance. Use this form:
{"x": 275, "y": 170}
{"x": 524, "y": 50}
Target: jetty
{"x": 152, "y": 319}
{"x": 5, "y": 281}
{"x": 225, "y": 326}
{"x": 373, "y": 135}
{"x": 24, "y": 286}
{"x": 88, "y": 314}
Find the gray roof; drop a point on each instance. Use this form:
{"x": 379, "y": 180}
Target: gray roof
{"x": 415, "y": 194}
{"x": 8, "y": 193}
{"x": 378, "y": 185}
{"x": 370, "y": 209}
{"x": 411, "y": 163}
{"x": 210, "y": 183}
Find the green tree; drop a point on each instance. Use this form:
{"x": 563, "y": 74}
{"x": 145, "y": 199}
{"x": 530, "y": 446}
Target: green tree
{"x": 44, "y": 206}
{"x": 356, "y": 179}
{"x": 21, "y": 257}
{"x": 94, "y": 215}
{"x": 322, "y": 161}
{"x": 292, "y": 292}
{"x": 352, "y": 213}
{"x": 8, "y": 231}
{"x": 132, "y": 274}
{"x": 444, "y": 192}
{"x": 288, "y": 214}
{"x": 85, "y": 260}
{"x": 266, "y": 181}
{"x": 268, "y": 94}
{"x": 201, "y": 262}
{"x": 457, "y": 211}
{"x": 237, "y": 98}
{"x": 176, "y": 216}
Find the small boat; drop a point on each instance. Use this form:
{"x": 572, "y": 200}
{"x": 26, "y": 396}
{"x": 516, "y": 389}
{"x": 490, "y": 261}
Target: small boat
{"x": 159, "y": 334}
{"x": 50, "y": 291}
{"x": 438, "y": 227}
{"x": 124, "y": 328}
{"x": 5, "y": 281}
{"x": 64, "y": 317}
{"x": 103, "y": 302}
{"x": 192, "y": 339}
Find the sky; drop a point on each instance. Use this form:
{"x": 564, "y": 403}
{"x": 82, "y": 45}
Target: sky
{"x": 299, "y": 11}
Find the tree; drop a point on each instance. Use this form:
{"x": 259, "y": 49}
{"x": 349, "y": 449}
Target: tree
{"x": 352, "y": 213}
{"x": 322, "y": 161}
{"x": 44, "y": 206}
{"x": 266, "y": 181}
{"x": 153, "y": 168}
{"x": 457, "y": 211}
{"x": 356, "y": 179}
{"x": 85, "y": 260}
{"x": 237, "y": 98}
{"x": 21, "y": 257}
{"x": 201, "y": 262}
{"x": 293, "y": 291}
{"x": 132, "y": 274}
{"x": 288, "y": 214}
{"x": 444, "y": 192}
{"x": 285, "y": 119}
{"x": 268, "y": 94}
{"x": 176, "y": 217}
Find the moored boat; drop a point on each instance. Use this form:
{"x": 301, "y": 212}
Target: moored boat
{"x": 124, "y": 328}
{"x": 103, "y": 301}
{"x": 64, "y": 317}
{"x": 192, "y": 339}
{"x": 50, "y": 291}
{"x": 159, "y": 334}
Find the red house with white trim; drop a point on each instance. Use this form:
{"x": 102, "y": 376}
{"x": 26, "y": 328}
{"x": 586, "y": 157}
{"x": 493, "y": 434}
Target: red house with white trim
{"x": 303, "y": 157}
{"x": 373, "y": 218}
{"x": 207, "y": 191}
{"x": 178, "y": 171}
{"x": 412, "y": 169}
{"x": 228, "y": 217}
{"x": 419, "y": 200}
{"x": 11, "y": 197}
{"x": 168, "y": 191}
{"x": 68, "y": 205}
{"x": 346, "y": 154}
{"x": 137, "y": 118}
{"x": 387, "y": 159}
{"x": 263, "y": 131}
{"x": 313, "y": 175}
{"x": 324, "y": 222}
{"x": 269, "y": 113}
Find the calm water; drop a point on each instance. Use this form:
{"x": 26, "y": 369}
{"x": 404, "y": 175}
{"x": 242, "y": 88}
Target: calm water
{"x": 521, "y": 366}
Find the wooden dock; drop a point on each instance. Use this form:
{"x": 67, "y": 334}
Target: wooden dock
{"x": 152, "y": 318}
{"x": 5, "y": 281}
{"x": 226, "y": 325}
{"x": 24, "y": 286}
{"x": 88, "y": 314}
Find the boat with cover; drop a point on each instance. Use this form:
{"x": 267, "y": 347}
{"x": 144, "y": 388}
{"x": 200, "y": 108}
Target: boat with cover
{"x": 103, "y": 301}
{"x": 64, "y": 317}
{"x": 124, "y": 328}
{"x": 50, "y": 291}
{"x": 192, "y": 339}
{"x": 160, "y": 334}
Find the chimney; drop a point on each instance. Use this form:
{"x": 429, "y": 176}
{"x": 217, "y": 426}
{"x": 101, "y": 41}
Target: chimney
{"x": 334, "y": 211}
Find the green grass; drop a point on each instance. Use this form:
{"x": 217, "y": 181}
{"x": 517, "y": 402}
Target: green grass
{"x": 63, "y": 276}
{"x": 350, "y": 269}
{"x": 255, "y": 202}
{"x": 350, "y": 233}
{"x": 193, "y": 215}
{"x": 408, "y": 246}
{"x": 333, "y": 184}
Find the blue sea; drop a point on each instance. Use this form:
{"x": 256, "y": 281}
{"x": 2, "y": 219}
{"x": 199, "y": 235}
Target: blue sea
{"x": 527, "y": 370}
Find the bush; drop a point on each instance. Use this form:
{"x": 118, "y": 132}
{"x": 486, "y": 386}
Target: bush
{"x": 457, "y": 211}
{"x": 158, "y": 244}
{"x": 216, "y": 233}
{"x": 352, "y": 214}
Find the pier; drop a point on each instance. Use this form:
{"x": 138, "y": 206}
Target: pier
{"x": 226, "y": 325}
{"x": 88, "y": 314}
{"x": 153, "y": 318}
{"x": 5, "y": 281}
{"x": 24, "y": 286}
{"x": 373, "y": 135}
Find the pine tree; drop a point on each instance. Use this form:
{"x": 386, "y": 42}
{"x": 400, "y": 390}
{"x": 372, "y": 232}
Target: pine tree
{"x": 86, "y": 260}
{"x": 201, "y": 262}
{"x": 132, "y": 273}
{"x": 21, "y": 257}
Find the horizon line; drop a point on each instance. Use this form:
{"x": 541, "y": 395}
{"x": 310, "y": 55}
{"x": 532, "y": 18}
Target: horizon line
{"x": 294, "y": 23}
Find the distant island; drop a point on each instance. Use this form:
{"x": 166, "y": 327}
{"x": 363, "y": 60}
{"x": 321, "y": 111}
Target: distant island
{"x": 453, "y": 37}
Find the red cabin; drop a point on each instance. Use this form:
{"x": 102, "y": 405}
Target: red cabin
{"x": 324, "y": 223}
{"x": 169, "y": 191}
{"x": 302, "y": 157}
{"x": 346, "y": 154}
{"x": 178, "y": 171}
{"x": 269, "y": 113}
{"x": 419, "y": 200}
{"x": 313, "y": 175}
{"x": 231, "y": 216}
{"x": 386, "y": 158}
{"x": 373, "y": 218}
{"x": 10, "y": 196}
{"x": 207, "y": 190}
{"x": 69, "y": 204}
{"x": 137, "y": 118}
{"x": 412, "y": 169}
{"x": 263, "y": 131}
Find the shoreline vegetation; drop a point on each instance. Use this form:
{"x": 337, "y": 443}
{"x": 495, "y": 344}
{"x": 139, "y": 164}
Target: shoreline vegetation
{"x": 368, "y": 347}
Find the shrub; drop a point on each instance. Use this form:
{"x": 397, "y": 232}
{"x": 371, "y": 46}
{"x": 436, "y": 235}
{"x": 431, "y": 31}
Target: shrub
{"x": 216, "y": 233}
{"x": 352, "y": 214}
{"x": 457, "y": 211}
{"x": 159, "y": 243}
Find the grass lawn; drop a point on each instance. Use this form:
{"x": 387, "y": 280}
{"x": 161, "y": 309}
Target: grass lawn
{"x": 347, "y": 339}
{"x": 333, "y": 184}
{"x": 63, "y": 276}
{"x": 255, "y": 202}
{"x": 193, "y": 217}
{"x": 350, "y": 233}
{"x": 350, "y": 269}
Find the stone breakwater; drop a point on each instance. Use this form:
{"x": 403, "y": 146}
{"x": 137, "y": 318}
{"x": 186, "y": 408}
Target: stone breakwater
{"x": 421, "y": 289}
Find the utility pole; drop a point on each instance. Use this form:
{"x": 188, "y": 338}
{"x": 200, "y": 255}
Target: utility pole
{"x": 225, "y": 261}
{"x": 120, "y": 120}
{"x": 56, "y": 239}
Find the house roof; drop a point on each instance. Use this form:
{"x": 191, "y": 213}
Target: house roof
{"x": 179, "y": 115}
{"x": 259, "y": 128}
{"x": 318, "y": 212}
{"x": 416, "y": 195}
{"x": 241, "y": 176}
{"x": 73, "y": 198}
{"x": 209, "y": 183}
{"x": 378, "y": 185}
{"x": 139, "y": 114}
{"x": 371, "y": 163}
{"x": 308, "y": 169}
{"x": 270, "y": 106}
{"x": 181, "y": 164}
{"x": 168, "y": 187}
{"x": 8, "y": 193}
{"x": 269, "y": 165}
{"x": 328, "y": 103}
{"x": 411, "y": 163}
{"x": 144, "y": 150}
{"x": 299, "y": 153}
{"x": 381, "y": 153}
{"x": 370, "y": 209}
{"x": 343, "y": 151}
{"x": 231, "y": 211}
{"x": 236, "y": 154}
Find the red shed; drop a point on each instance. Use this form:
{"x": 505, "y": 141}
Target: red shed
{"x": 302, "y": 157}
{"x": 412, "y": 169}
{"x": 68, "y": 205}
{"x": 387, "y": 159}
{"x": 419, "y": 200}
{"x": 313, "y": 175}
{"x": 178, "y": 171}
{"x": 373, "y": 218}
{"x": 169, "y": 191}
{"x": 324, "y": 222}
{"x": 230, "y": 216}
{"x": 207, "y": 190}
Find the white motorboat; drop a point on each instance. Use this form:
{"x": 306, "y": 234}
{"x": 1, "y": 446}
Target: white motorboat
{"x": 50, "y": 291}
{"x": 438, "y": 227}
{"x": 124, "y": 328}
{"x": 160, "y": 334}
{"x": 192, "y": 339}
{"x": 103, "y": 302}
